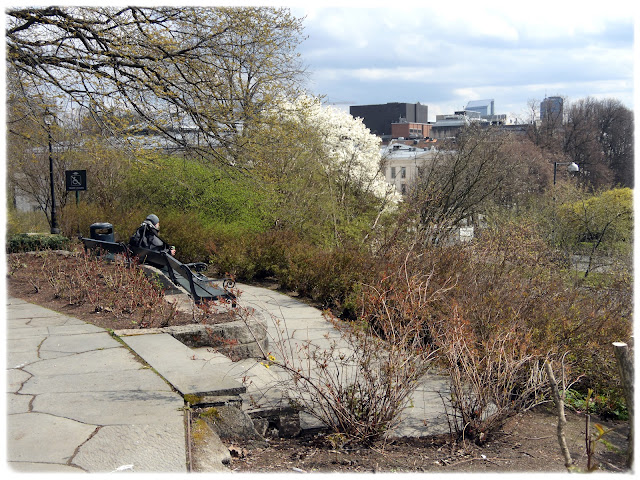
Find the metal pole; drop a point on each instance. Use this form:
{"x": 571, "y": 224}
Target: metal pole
{"x": 54, "y": 220}
{"x": 553, "y": 226}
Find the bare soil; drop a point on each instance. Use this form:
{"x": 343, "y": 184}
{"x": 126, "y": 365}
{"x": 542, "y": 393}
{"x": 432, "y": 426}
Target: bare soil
{"x": 526, "y": 443}
{"x": 26, "y": 279}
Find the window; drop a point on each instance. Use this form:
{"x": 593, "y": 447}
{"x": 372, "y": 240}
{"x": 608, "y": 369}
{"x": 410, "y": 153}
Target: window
{"x": 393, "y": 172}
{"x": 403, "y": 172}
{"x": 403, "y": 189}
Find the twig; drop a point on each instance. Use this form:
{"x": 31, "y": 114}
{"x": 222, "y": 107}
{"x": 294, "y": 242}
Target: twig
{"x": 490, "y": 460}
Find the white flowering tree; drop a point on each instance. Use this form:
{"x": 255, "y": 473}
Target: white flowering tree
{"x": 351, "y": 151}
{"x": 326, "y": 166}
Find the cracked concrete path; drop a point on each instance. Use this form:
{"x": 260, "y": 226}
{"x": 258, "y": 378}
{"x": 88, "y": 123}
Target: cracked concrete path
{"x": 79, "y": 401}
{"x": 291, "y": 325}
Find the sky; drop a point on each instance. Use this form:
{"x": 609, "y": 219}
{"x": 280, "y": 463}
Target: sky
{"x": 445, "y": 54}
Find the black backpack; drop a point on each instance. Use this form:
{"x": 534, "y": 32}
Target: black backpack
{"x": 139, "y": 239}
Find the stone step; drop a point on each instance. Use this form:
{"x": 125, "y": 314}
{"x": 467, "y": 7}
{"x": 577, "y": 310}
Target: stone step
{"x": 186, "y": 370}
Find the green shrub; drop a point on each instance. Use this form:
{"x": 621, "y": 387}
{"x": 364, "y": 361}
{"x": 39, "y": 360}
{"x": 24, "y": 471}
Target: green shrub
{"x": 20, "y": 222}
{"x": 215, "y": 195}
{"x": 607, "y": 405}
{"x": 24, "y": 242}
{"x": 332, "y": 277}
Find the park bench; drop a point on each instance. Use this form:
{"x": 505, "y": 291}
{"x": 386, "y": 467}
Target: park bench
{"x": 185, "y": 275}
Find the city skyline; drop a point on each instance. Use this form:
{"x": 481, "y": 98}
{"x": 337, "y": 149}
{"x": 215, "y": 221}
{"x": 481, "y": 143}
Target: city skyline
{"x": 445, "y": 57}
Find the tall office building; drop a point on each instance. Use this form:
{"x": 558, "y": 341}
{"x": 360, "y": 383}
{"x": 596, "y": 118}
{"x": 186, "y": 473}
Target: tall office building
{"x": 378, "y": 118}
{"x": 551, "y": 109}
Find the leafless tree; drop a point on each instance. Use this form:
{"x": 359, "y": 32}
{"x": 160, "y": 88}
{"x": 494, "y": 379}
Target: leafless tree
{"x": 199, "y": 77}
{"x": 462, "y": 177}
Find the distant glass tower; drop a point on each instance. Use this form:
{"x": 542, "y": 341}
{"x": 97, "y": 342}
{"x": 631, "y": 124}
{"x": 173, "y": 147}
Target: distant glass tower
{"x": 551, "y": 109}
{"x": 483, "y": 107}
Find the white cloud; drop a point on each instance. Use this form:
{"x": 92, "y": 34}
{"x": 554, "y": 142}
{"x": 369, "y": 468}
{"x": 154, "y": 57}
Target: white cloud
{"x": 445, "y": 57}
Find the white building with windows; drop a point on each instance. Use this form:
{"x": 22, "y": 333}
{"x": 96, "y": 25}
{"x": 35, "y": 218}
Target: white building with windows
{"x": 402, "y": 163}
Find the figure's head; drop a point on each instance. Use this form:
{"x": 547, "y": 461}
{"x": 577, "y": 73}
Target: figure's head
{"x": 153, "y": 219}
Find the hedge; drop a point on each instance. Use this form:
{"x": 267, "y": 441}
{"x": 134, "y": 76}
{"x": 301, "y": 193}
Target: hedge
{"x": 27, "y": 242}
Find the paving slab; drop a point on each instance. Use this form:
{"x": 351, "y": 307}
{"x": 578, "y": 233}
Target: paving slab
{"x": 182, "y": 367}
{"x": 74, "y": 329}
{"x": 134, "y": 448}
{"x": 42, "y": 438}
{"x": 15, "y": 379}
{"x": 79, "y": 401}
{"x": 58, "y": 345}
{"x": 17, "y": 403}
{"x": 29, "y": 311}
{"x": 23, "y": 351}
{"x": 48, "y": 321}
{"x": 27, "y": 331}
{"x": 128, "y": 381}
{"x": 46, "y": 468}
{"x": 118, "y": 407}
{"x": 114, "y": 360}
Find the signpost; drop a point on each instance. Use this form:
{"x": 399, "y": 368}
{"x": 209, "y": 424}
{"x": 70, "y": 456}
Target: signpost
{"x": 76, "y": 181}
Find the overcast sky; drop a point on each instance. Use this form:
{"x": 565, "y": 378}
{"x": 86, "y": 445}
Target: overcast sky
{"x": 445, "y": 53}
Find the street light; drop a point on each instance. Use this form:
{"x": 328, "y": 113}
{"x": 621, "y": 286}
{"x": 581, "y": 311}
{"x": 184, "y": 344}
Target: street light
{"x": 50, "y": 119}
{"x": 572, "y": 167}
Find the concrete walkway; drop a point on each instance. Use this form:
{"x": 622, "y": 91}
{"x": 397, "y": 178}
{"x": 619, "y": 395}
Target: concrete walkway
{"x": 79, "y": 400}
{"x": 291, "y": 325}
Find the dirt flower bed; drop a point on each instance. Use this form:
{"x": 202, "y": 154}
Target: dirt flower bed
{"x": 107, "y": 294}
{"x": 111, "y": 296}
{"x": 526, "y": 443}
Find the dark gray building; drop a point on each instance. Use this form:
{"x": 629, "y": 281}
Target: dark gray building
{"x": 378, "y": 118}
{"x": 551, "y": 109}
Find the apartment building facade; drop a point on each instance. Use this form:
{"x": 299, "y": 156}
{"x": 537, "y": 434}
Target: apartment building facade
{"x": 410, "y": 131}
{"x": 403, "y": 164}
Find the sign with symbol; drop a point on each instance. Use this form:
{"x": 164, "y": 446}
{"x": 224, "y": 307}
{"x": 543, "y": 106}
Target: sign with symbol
{"x": 76, "y": 180}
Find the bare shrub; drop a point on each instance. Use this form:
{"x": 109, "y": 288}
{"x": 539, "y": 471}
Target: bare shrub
{"x": 358, "y": 381}
{"x": 458, "y": 303}
{"x": 491, "y": 379}
{"x": 509, "y": 310}
{"x": 358, "y": 385}
{"x": 115, "y": 287}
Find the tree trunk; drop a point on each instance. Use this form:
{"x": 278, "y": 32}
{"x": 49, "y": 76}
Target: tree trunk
{"x": 562, "y": 420}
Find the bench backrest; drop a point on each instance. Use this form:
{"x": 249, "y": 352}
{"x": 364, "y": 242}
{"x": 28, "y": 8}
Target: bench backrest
{"x": 173, "y": 266}
{"x": 110, "y": 247}
{"x": 158, "y": 259}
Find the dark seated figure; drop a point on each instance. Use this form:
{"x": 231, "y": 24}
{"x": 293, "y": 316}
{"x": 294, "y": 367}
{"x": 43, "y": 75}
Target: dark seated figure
{"x": 186, "y": 275}
{"x": 146, "y": 236}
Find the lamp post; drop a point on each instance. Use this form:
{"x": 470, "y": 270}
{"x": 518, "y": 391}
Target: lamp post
{"x": 49, "y": 120}
{"x": 572, "y": 167}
